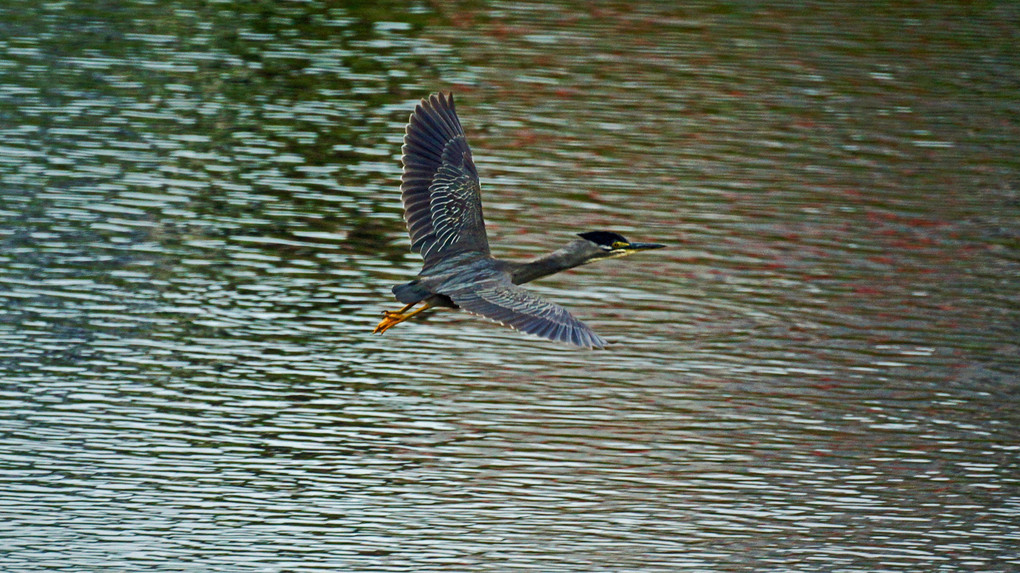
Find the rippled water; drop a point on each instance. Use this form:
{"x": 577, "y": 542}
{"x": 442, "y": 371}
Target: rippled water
{"x": 200, "y": 224}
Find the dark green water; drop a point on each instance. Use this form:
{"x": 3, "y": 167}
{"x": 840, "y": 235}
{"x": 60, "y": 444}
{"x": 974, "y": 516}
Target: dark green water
{"x": 200, "y": 223}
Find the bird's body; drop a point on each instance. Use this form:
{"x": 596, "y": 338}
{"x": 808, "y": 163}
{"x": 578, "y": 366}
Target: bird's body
{"x": 443, "y": 211}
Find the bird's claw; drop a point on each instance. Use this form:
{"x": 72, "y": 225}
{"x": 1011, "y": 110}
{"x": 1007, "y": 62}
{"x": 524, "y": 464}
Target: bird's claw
{"x": 394, "y": 317}
{"x": 390, "y": 318}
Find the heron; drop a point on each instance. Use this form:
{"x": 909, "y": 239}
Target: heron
{"x": 442, "y": 200}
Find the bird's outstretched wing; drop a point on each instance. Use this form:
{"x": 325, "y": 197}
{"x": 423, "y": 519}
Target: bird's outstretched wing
{"x": 494, "y": 296}
{"x": 439, "y": 186}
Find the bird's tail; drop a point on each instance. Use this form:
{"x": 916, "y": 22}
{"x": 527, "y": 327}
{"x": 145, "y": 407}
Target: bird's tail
{"x": 411, "y": 292}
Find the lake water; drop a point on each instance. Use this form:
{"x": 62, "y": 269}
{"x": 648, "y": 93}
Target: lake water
{"x": 200, "y": 224}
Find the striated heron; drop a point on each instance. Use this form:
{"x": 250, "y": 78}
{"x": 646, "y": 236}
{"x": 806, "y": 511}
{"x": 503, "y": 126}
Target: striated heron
{"x": 443, "y": 210}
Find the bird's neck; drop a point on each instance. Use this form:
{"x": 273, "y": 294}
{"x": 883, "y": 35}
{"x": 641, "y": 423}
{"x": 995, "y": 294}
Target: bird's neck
{"x": 554, "y": 262}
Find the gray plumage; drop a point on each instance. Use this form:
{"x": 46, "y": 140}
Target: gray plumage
{"x": 443, "y": 210}
{"x": 439, "y": 187}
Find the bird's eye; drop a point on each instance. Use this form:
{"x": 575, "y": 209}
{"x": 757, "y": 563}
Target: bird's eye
{"x": 619, "y": 245}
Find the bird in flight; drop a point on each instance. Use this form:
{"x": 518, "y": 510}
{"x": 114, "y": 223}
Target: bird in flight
{"x": 443, "y": 210}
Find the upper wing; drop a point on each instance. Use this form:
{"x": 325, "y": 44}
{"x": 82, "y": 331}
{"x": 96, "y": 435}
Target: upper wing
{"x": 495, "y": 297}
{"x": 439, "y": 187}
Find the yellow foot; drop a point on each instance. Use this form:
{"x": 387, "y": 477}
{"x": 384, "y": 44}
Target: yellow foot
{"x": 394, "y": 317}
{"x": 391, "y": 318}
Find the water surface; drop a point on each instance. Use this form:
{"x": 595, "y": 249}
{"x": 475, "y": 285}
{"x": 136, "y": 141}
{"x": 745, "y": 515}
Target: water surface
{"x": 200, "y": 224}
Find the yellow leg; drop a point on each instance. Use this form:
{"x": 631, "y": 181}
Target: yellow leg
{"x": 406, "y": 308}
{"x": 393, "y": 318}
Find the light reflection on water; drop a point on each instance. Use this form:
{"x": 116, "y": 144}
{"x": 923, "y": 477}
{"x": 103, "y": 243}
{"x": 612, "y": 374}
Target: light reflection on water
{"x": 201, "y": 226}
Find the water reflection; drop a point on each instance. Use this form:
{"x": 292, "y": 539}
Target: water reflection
{"x": 200, "y": 226}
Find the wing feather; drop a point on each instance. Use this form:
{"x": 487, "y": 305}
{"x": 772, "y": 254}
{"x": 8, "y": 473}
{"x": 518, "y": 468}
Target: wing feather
{"x": 497, "y": 298}
{"x": 439, "y": 186}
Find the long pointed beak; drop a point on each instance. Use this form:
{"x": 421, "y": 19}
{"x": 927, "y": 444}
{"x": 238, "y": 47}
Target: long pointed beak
{"x": 643, "y": 246}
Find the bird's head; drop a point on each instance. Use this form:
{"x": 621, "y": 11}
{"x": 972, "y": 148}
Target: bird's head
{"x": 609, "y": 245}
